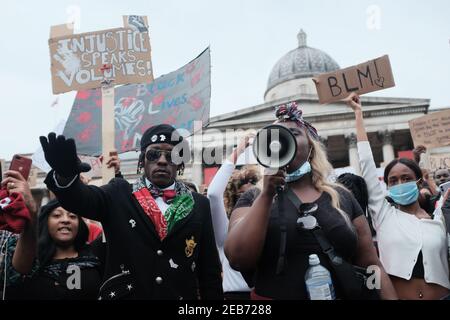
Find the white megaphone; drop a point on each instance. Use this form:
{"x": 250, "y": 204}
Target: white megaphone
{"x": 274, "y": 146}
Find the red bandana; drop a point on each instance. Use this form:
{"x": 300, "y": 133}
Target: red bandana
{"x": 151, "y": 209}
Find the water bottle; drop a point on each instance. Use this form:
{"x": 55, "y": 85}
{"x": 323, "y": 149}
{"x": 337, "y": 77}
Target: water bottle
{"x": 318, "y": 281}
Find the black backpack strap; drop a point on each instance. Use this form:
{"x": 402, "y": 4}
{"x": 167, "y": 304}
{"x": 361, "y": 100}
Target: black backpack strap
{"x": 326, "y": 246}
{"x": 283, "y": 234}
{"x": 345, "y": 272}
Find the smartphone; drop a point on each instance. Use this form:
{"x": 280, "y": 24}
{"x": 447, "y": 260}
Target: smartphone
{"x": 22, "y": 165}
{"x": 444, "y": 187}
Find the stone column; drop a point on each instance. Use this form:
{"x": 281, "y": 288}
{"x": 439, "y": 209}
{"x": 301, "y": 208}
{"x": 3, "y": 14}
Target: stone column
{"x": 388, "y": 148}
{"x": 353, "y": 153}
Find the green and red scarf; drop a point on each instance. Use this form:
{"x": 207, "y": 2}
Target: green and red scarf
{"x": 179, "y": 207}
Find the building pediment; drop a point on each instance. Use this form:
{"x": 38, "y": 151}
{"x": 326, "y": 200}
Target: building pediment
{"x": 262, "y": 114}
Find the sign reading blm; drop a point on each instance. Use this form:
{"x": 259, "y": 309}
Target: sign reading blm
{"x": 366, "y": 77}
{"x": 77, "y": 59}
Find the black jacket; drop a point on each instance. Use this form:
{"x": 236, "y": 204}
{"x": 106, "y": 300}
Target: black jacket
{"x": 138, "y": 264}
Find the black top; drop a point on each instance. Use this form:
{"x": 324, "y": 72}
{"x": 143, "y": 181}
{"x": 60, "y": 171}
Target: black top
{"x": 138, "y": 264}
{"x": 300, "y": 244}
{"x": 418, "y": 271}
{"x": 62, "y": 279}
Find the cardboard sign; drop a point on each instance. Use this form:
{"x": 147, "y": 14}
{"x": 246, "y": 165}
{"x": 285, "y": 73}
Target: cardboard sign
{"x": 439, "y": 161}
{"x": 432, "y": 130}
{"x": 77, "y": 59}
{"x": 366, "y": 77}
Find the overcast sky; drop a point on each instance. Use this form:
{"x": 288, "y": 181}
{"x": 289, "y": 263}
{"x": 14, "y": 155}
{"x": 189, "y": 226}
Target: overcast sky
{"x": 246, "y": 39}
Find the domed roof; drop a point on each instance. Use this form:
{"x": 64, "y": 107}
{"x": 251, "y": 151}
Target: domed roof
{"x": 302, "y": 62}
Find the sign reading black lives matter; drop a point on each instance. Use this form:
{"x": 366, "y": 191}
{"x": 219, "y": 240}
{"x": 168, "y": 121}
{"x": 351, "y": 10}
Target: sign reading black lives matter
{"x": 77, "y": 59}
{"x": 363, "y": 78}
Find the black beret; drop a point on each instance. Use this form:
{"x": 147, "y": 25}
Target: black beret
{"x": 161, "y": 133}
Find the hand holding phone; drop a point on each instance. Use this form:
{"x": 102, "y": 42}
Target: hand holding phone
{"x": 444, "y": 187}
{"x": 22, "y": 165}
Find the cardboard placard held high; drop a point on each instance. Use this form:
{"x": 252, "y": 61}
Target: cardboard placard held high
{"x": 76, "y": 59}
{"x": 366, "y": 77}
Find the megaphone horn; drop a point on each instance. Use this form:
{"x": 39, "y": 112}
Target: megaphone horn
{"x": 274, "y": 146}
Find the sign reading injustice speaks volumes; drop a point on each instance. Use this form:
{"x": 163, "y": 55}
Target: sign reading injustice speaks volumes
{"x": 77, "y": 59}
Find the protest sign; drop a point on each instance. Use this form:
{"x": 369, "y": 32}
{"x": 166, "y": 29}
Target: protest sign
{"x": 439, "y": 161}
{"x": 366, "y": 77}
{"x": 432, "y": 130}
{"x": 76, "y": 59}
{"x": 101, "y": 59}
{"x": 178, "y": 98}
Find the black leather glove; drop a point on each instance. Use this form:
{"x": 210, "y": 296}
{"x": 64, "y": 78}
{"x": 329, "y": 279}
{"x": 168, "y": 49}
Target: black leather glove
{"x": 61, "y": 155}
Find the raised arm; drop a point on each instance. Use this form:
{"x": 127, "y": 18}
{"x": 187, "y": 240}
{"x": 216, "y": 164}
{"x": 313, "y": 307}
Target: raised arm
{"x": 217, "y": 188}
{"x": 87, "y": 201}
{"x": 378, "y": 205}
{"x": 248, "y": 226}
{"x": 26, "y": 248}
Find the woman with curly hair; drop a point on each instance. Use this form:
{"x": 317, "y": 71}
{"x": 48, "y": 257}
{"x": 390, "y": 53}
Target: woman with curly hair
{"x": 240, "y": 182}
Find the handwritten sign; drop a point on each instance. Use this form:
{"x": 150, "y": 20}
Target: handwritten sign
{"x": 77, "y": 59}
{"x": 439, "y": 161}
{"x": 432, "y": 130}
{"x": 363, "y": 78}
{"x": 178, "y": 98}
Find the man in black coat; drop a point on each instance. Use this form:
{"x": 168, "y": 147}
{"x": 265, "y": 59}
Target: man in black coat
{"x": 160, "y": 239}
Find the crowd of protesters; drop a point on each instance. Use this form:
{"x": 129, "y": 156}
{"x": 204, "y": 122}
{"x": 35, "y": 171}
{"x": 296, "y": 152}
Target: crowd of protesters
{"x": 244, "y": 239}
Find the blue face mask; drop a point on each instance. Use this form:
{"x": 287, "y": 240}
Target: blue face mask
{"x": 404, "y": 194}
{"x": 300, "y": 172}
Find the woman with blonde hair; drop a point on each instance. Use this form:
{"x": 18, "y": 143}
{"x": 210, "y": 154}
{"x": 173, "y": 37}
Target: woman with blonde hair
{"x": 277, "y": 245}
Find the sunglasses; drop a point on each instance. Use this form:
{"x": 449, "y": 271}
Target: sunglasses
{"x": 246, "y": 181}
{"x": 307, "y": 221}
{"x": 153, "y": 155}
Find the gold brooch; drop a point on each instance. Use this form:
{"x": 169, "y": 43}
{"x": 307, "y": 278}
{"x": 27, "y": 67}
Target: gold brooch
{"x": 190, "y": 245}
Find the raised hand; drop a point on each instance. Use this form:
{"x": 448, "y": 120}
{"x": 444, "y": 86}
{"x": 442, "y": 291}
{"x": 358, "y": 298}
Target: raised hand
{"x": 61, "y": 155}
{"x": 353, "y": 101}
{"x": 113, "y": 162}
{"x": 243, "y": 144}
{"x": 15, "y": 182}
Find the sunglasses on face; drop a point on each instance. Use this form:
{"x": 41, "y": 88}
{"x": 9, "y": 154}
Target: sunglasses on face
{"x": 307, "y": 221}
{"x": 246, "y": 181}
{"x": 153, "y": 155}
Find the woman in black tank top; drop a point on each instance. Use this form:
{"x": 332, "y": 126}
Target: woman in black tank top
{"x": 254, "y": 234}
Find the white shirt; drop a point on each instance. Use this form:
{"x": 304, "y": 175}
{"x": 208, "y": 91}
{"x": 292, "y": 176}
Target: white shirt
{"x": 232, "y": 280}
{"x": 159, "y": 200}
{"x": 401, "y": 236}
